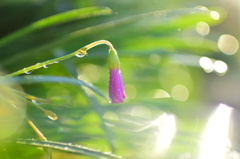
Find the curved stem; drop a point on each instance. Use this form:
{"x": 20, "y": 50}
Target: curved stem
{"x": 81, "y": 51}
{"x": 89, "y": 46}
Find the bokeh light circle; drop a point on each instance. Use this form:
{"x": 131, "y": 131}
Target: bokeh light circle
{"x": 228, "y": 44}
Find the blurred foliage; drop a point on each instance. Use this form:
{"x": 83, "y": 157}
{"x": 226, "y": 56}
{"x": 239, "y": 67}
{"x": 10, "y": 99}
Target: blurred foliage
{"x": 159, "y": 46}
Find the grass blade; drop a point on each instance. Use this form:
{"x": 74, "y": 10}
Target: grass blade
{"x": 56, "y": 19}
{"x": 69, "y": 148}
{"x": 30, "y": 79}
{"x": 163, "y": 14}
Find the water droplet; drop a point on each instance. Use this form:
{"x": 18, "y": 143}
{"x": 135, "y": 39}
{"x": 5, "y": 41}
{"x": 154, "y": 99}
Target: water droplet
{"x": 28, "y": 72}
{"x": 35, "y": 102}
{"x": 80, "y": 55}
{"x": 45, "y": 66}
{"x": 56, "y": 61}
{"x": 51, "y": 115}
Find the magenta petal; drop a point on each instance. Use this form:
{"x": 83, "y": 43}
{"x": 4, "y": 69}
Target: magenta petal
{"x": 116, "y": 89}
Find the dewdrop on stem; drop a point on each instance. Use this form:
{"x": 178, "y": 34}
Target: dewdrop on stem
{"x": 79, "y": 55}
{"x": 50, "y": 115}
{"x": 81, "y": 52}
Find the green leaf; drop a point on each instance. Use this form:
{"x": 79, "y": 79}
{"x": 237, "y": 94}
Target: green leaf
{"x": 56, "y": 19}
{"x": 170, "y": 43}
{"x": 69, "y": 148}
{"x": 30, "y": 79}
{"x": 170, "y": 19}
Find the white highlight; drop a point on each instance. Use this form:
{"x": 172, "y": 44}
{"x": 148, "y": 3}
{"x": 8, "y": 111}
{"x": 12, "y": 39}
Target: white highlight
{"x": 214, "y": 15}
{"x": 228, "y": 44}
{"x": 166, "y": 127}
{"x": 220, "y": 66}
{"x": 215, "y": 142}
{"x": 206, "y": 63}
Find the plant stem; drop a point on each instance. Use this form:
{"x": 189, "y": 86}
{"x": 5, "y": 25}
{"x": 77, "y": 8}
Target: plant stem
{"x": 31, "y": 97}
{"x": 89, "y": 46}
{"x": 39, "y": 65}
{"x": 40, "y": 135}
{"x": 48, "y": 113}
{"x": 81, "y": 51}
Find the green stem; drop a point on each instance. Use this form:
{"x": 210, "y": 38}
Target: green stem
{"x": 48, "y": 113}
{"x": 82, "y": 51}
{"x": 39, "y": 65}
{"x": 89, "y": 46}
{"x": 38, "y": 132}
{"x": 41, "y": 137}
{"x": 30, "y": 97}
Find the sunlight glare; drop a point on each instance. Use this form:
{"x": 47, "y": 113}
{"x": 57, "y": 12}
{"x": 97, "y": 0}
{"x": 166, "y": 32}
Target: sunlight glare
{"x": 233, "y": 154}
{"x": 215, "y": 142}
{"x": 206, "y": 63}
{"x": 166, "y": 125}
{"x": 220, "y": 66}
{"x": 215, "y": 15}
{"x": 186, "y": 155}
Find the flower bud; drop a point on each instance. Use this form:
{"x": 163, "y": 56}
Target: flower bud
{"x": 116, "y": 88}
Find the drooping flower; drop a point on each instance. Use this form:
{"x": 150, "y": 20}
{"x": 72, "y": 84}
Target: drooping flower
{"x": 116, "y": 88}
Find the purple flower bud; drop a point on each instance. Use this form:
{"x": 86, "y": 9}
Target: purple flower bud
{"x": 116, "y": 89}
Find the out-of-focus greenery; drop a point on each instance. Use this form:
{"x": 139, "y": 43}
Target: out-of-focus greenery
{"x": 160, "y": 44}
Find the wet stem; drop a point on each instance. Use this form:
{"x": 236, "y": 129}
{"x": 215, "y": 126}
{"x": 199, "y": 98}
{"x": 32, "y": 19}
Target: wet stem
{"x": 38, "y": 132}
{"x": 79, "y": 53}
